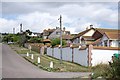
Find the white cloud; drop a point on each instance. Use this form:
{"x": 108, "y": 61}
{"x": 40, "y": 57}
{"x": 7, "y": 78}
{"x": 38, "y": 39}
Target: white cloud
{"x": 76, "y": 16}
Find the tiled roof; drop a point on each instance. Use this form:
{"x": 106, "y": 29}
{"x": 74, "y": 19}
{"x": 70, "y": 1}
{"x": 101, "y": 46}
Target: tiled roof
{"x": 82, "y": 33}
{"x": 102, "y": 31}
{"x": 46, "y": 40}
{"x": 87, "y": 38}
{"x": 113, "y": 35}
{"x": 67, "y": 37}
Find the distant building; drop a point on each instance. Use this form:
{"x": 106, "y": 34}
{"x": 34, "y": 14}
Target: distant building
{"x": 34, "y": 34}
{"x": 56, "y": 33}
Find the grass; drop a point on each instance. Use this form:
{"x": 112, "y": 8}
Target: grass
{"x": 45, "y": 62}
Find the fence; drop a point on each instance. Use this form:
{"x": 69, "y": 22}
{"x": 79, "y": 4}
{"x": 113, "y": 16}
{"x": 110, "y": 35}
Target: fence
{"x": 70, "y": 54}
{"x": 92, "y": 55}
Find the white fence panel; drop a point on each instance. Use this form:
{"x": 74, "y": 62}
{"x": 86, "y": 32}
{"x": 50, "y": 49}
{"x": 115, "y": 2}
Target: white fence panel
{"x": 67, "y": 54}
{"x": 57, "y": 53}
{"x": 49, "y": 51}
{"x": 81, "y": 56}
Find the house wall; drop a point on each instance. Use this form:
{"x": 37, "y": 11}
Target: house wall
{"x": 89, "y": 33}
{"x": 114, "y": 43}
{"x": 79, "y": 56}
{"x": 54, "y": 35}
{"x": 102, "y": 56}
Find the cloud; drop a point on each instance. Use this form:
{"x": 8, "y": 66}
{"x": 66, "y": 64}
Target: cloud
{"x": 43, "y": 15}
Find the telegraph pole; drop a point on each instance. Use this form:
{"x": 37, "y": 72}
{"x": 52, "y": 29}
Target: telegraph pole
{"x": 60, "y": 39}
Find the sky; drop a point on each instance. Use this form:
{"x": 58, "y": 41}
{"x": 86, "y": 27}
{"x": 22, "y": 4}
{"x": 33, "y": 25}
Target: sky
{"x": 76, "y": 16}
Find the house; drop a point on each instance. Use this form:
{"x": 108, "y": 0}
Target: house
{"x": 67, "y": 38}
{"x": 110, "y": 39}
{"x": 84, "y": 37}
{"x": 56, "y": 33}
{"x": 106, "y": 37}
{"x": 46, "y": 33}
{"x": 96, "y": 36}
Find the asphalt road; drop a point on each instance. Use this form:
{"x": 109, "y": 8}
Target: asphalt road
{"x": 14, "y": 66}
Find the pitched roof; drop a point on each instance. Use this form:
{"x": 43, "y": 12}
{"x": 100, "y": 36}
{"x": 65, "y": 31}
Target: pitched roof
{"x": 102, "y": 31}
{"x": 68, "y": 37}
{"x": 113, "y": 35}
{"x": 82, "y": 33}
{"x": 87, "y": 37}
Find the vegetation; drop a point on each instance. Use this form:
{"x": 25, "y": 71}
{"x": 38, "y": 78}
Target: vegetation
{"x": 11, "y": 38}
{"x": 108, "y": 71}
{"x": 45, "y": 62}
{"x": 56, "y": 41}
{"x": 35, "y": 40}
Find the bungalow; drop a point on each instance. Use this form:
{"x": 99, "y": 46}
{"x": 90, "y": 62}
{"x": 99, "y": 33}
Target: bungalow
{"x": 98, "y": 37}
{"x": 107, "y": 38}
{"x": 110, "y": 39}
{"x": 84, "y": 37}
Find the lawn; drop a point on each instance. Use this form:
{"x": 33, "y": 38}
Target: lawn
{"x": 45, "y": 62}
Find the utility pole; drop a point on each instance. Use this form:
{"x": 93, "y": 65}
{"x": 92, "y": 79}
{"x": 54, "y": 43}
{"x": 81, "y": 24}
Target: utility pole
{"x": 60, "y": 39}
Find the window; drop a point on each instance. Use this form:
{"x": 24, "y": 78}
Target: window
{"x": 105, "y": 43}
{"x": 58, "y": 33}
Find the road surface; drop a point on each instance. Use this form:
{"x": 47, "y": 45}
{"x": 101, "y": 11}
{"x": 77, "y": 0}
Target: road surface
{"x": 14, "y": 66}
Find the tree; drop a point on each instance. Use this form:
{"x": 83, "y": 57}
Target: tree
{"x": 56, "y": 41}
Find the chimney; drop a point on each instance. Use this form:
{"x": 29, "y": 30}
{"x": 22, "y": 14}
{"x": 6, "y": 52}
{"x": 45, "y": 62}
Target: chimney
{"x": 91, "y": 26}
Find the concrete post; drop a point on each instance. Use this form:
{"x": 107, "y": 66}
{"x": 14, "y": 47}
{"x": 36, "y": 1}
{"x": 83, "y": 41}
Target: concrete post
{"x": 27, "y": 54}
{"x": 32, "y": 57}
{"x": 38, "y": 60}
{"x": 51, "y": 64}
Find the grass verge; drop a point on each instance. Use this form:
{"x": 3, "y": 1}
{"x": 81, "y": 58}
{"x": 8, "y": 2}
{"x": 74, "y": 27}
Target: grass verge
{"x": 45, "y": 62}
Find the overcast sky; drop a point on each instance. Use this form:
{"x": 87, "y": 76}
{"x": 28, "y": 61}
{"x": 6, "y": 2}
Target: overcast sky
{"x": 76, "y": 16}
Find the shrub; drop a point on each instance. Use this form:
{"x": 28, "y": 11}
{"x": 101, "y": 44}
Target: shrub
{"x": 101, "y": 70}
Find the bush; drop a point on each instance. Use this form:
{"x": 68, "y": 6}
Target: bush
{"x": 115, "y": 68}
{"x": 101, "y": 70}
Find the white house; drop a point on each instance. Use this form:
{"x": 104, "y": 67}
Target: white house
{"x": 84, "y": 37}
{"x": 110, "y": 39}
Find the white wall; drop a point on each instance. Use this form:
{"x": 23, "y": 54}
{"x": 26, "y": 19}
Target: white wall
{"x": 114, "y": 43}
{"x": 89, "y": 33}
{"x": 102, "y": 56}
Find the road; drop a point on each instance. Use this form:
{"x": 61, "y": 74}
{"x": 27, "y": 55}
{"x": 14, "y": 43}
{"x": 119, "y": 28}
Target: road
{"x": 14, "y": 66}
